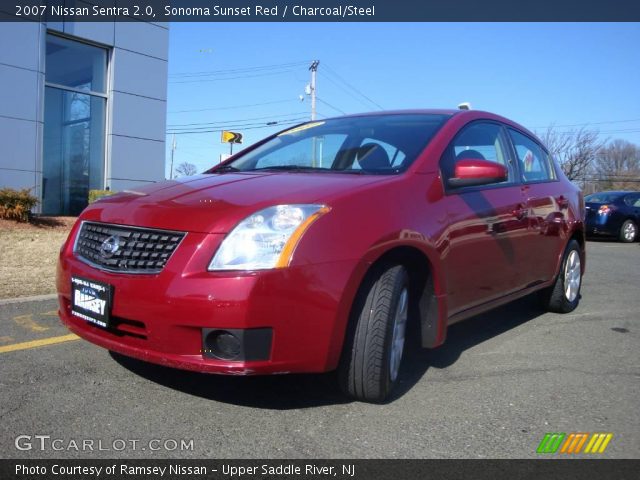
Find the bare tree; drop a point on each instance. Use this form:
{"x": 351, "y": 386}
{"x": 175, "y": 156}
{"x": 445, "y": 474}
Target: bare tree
{"x": 576, "y": 150}
{"x": 618, "y": 166}
{"x": 186, "y": 169}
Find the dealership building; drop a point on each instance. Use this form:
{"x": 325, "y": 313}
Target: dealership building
{"x": 82, "y": 107}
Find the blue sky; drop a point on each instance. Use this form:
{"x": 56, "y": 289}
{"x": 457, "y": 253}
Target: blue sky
{"x": 534, "y": 73}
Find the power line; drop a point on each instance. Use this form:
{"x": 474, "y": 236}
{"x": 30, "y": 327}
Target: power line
{"x": 279, "y": 124}
{"x": 345, "y": 90}
{"x": 228, "y": 125}
{"x": 237, "y": 70}
{"x": 235, "y": 107}
{"x": 591, "y": 123}
{"x": 359, "y": 92}
{"x": 356, "y": 90}
{"x": 331, "y": 106}
{"x": 177, "y": 125}
{"x": 605, "y": 132}
{"x": 207, "y": 80}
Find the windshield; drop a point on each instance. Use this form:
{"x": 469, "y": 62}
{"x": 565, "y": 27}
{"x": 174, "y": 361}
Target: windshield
{"x": 602, "y": 197}
{"x": 383, "y": 144}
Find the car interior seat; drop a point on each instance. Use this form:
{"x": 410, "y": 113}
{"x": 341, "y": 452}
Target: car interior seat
{"x": 472, "y": 154}
{"x": 372, "y": 156}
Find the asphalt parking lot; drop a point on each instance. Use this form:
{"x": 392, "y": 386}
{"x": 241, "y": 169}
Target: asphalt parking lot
{"x": 501, "y": 381}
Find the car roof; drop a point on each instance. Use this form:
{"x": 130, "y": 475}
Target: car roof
{"x": 461, "y": 114}
{"x": 423, "y": 111}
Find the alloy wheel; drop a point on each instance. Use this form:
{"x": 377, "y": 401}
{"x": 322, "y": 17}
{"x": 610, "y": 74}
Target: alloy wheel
{"x": 629, "y": 232}
{"x": 572, "y": 276}
{"x": 399, "y": 331}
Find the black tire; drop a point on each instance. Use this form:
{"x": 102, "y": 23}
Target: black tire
{"x": 365, "y": 371}
{"x": 628, "y": 232}
{"x": 556, "y": 299}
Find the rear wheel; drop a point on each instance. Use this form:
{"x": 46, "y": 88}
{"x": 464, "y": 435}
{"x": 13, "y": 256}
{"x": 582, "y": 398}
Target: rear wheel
{"x": 628, "y": 231}
{"x": 374, "y": 348}
{"x": 564, "y": 295}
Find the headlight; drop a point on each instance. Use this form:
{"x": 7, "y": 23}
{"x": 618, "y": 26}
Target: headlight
{"x": 266, "y": 239}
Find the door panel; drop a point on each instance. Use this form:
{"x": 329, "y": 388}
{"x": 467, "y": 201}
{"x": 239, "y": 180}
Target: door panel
{"x": 485, "y": 252}
{"x": 486, "y": 225}
{"x": 547, "y": 227}
{"x": 546, "y": 206}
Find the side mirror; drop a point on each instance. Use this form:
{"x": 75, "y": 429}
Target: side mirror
{"x": 471, "y": 172}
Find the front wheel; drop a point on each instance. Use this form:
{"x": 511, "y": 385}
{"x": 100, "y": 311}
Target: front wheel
{"x": 373, "y": 352}
{"x": 564, "y": 295}
{"x": 628, "y": 231}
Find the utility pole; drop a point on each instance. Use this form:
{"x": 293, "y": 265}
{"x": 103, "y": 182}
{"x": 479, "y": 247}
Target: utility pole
{"x": 314, "y": 69}
{"x": 173, "y": 149}
{"x": 312, "y": 87}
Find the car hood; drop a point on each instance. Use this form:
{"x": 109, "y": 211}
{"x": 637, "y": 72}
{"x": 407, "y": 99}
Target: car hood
{"x": 215, "y": 203}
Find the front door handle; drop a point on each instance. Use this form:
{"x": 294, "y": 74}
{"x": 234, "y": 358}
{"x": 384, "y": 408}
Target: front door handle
{"x": 563, "y": 202}
{"x": 520, "y": 211}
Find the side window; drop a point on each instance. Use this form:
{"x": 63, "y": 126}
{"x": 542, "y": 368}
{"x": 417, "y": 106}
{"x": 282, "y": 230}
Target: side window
{"x": 535, "y": 164}
{"x": 632, "y": 200}
{"x": 483, "y": 141}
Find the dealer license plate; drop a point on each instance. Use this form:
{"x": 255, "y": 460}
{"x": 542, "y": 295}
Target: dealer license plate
{"x": 91, "y": 300}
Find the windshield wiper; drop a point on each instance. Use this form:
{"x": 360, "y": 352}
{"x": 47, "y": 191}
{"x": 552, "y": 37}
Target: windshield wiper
{"x": 292, "y": 168}
{"x": 223, "y": 169}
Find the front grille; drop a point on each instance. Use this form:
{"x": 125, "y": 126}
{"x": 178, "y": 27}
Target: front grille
{"x": 119, "y": 248}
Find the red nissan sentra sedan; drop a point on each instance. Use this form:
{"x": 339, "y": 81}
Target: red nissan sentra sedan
{"x": 313, "y": 249}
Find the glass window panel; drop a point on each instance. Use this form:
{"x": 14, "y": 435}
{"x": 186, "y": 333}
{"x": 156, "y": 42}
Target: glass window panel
{"x": 534, "y": 162}
{"x": 73, "y": 150}
{"x": 76, "y": 65}
{"x": 317, "y": 151}
{"x": 336, "y": 144}
{"x": 395, "y": 155}
{"x": 482, "y": 141}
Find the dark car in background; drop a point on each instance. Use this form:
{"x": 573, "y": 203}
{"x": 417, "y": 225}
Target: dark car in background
{"x": 613, "y": 214}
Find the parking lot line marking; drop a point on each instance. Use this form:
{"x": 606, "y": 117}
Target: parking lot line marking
{"x": 27, "y": 321}
{"x": 38, "y": 343}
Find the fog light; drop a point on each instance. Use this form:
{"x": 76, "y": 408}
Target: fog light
{"x": 237, "y": 344}
{"x": 224, "y": 344}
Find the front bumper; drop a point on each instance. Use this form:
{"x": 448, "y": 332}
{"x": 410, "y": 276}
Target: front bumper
{"x": 160, "y": 318}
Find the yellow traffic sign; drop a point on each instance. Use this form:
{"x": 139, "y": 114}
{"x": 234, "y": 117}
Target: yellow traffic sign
{"x": 231, "y": 137}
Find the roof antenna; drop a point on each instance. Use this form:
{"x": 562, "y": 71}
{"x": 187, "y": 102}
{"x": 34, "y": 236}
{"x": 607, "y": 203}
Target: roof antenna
{"x": 464, "y": 106}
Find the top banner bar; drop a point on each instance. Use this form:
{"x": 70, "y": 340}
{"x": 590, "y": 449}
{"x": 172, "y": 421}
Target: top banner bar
{"x": 320, "y": 10}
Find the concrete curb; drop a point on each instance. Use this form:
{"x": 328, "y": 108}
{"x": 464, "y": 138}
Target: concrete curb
{"x": 35, "y": 298}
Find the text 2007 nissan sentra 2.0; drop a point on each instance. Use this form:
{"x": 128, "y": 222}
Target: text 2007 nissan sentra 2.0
{"x": 320, "y": 247}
